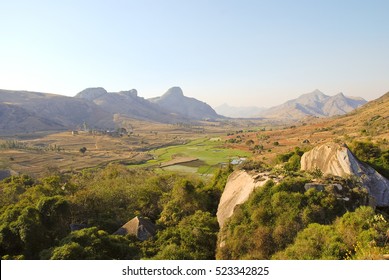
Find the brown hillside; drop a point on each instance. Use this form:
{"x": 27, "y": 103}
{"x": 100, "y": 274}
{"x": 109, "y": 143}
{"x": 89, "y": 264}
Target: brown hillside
{"x": 369, "y": 122}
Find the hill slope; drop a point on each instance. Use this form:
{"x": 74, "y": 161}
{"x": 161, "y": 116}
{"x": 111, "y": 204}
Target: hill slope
{"x": 14, "y": 118}
{"x": 42, "y": 111}
{"x": 372, "y": 119}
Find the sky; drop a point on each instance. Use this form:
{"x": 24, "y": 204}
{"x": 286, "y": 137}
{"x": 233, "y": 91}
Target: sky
{"x": 242, "y": 52}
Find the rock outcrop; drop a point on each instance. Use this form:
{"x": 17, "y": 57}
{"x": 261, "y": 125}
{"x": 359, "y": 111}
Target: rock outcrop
{"x": 174, "y": 101}
{"x": 91, "y": 93}
{"x": 142, "y": 228}
{"x": 335, "y": 159}
{"x": 126, "y": 103}
{"x": 240, "y": 185}
{"x": 5, "y": 173}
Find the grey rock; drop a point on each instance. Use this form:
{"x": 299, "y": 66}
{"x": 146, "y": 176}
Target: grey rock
{"x": 335, "y": 159}
{"x": 142, "y": 228}
{"x": 239, "y": 186}
{"x": 91, "y": 93}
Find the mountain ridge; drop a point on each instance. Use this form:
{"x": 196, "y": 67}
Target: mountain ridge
{"x": 316, "y": 104}
{"x": 28, "y": 111}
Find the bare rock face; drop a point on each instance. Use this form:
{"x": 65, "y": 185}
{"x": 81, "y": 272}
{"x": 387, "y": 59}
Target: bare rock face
{"x": 335, "y": 159}
{"x": 239, "y": 186}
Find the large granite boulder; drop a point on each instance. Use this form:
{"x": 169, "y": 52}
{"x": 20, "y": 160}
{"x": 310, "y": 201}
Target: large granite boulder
{"x": 336, "y": 159}
{"x": 240, "y": 185}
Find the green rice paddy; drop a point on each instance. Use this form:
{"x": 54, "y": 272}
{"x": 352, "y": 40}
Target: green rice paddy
{"x": 210, "y": 155}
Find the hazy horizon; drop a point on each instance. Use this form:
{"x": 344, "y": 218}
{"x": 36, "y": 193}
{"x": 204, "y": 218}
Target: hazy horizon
{"x": 243, "y": 53}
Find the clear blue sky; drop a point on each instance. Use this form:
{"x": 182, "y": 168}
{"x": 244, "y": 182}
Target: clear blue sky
{"x": 240, "y": 52}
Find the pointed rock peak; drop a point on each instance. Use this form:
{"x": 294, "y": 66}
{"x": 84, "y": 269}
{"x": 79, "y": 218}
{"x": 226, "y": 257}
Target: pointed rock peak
{"x": 174, "y": 92}
{"x": 317, "y": 92}
{"x": 315, "y": 96}
{"x": 340, "y": 94}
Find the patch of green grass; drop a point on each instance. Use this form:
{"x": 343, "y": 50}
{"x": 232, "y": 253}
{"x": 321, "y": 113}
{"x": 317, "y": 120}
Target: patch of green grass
{"x": 210, "y": 152}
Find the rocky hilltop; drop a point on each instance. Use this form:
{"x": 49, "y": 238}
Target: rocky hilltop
{"x": 126, "y": 103}
{"x": 175, "y": 102}
{"x": 335, "y": 159}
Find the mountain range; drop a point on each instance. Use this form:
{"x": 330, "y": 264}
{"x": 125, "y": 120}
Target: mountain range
{"x": 314, "y": 103}
{"x": 24, "y": 111}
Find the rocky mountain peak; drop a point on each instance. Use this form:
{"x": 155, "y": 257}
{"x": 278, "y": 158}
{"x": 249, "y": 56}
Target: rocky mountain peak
{"x": 317, "y": 92}
{"x": 315, "y": 95}
{"x": 339, "y": 96}
{"x": 174, "y": 92}
{"x": 91, "y": 93}
{"x": 176, "y": 103}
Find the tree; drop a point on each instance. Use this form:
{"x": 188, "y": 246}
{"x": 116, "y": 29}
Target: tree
{"x": 249, "y": 142}
{"x": 314, "y": 243}
{"x": 92, "y": 244}
{"x": 193, "y": 238}
{"x": 182, "y": 201}
{"x": 55, "y": 216}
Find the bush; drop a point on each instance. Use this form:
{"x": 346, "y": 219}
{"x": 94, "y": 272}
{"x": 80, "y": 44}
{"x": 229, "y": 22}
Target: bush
{"x": 373, "y": 155}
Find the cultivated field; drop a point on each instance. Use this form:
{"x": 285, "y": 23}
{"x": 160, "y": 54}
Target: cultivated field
{"x": 201, "y": 155}
{"x": 196, "y": 148}
{"x": 179, "y": 146}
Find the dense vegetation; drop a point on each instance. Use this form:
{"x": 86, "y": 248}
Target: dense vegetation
{"x": 35, "y": 215}
{"x": 330, "y": 219}
{"x": 286, "y": 221}
{"x": 373, "y": 155}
